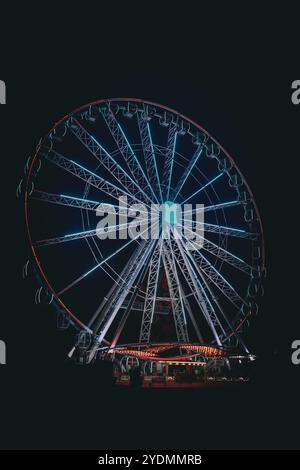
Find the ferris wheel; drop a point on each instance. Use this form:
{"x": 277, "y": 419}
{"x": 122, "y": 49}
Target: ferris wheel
{"x": 143, "y": 295}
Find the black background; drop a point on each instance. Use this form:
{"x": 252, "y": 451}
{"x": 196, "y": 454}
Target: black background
{"x": 230, "y": 69}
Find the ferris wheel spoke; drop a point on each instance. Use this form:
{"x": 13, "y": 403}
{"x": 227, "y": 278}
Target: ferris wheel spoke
{"x": 108, "y": 162}
{"x": 190, "y": 280}
{"x": 82, "y": 203}
{"x": 169, "y": 160}
{"x": 151, "y": 293}
{"x": 216, "y": 277}
{"x": 215, "y": 300}
{"x": 116, "y": 286}
{"x": 175, "y": 295}
{"x": 224, "y": 205}
{"x": 214, "y": 207}
{"x": 106, "y": 320}
{"x": 113, "y": 275}
{"x": 89, "y": 177}
{"x": 209, "y": 183}
{"x": 224, "y": 230}
{"x": 86, "y": 234}
{"x": 201, "y": 296}
{"x": 64, "y": 200}
{"x": 220, "y": 252}
{"x": 127, "y": 151}
{"x": 191, "y": 315}
{"x": 108, "y": 269}
{"x": 149, "y": 153}
{"x": 188, "y": 170}
{"x": 76, "y": 281}
{"x": 129, "y": 305}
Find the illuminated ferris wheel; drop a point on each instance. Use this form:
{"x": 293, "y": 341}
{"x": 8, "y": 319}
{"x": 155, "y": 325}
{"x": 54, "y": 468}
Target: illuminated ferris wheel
{"x": 143, "y": 297}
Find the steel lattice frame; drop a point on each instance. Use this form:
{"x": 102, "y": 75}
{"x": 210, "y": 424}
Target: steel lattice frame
{"x": 147, "y": 154}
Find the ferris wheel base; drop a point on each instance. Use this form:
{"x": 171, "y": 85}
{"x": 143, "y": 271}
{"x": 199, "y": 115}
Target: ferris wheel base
{"x": 169, "y": 365}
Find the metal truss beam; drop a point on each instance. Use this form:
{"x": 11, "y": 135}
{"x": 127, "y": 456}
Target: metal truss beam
{"x": 209, "y": 183}
{"x": 64, "y": 200}
{"x": 81, "y": 203}
{"x": 207, "y": 288}
{"x": 227, "y": 231}
{"x": 175, "y": 294}
{"x": 191, "y": 315}
{"x": 149, "y": 153}
{"x": 169, "y": 160}
{"x": 197, "y": 290}
{"x": 128, "y": 306}
{"x": 200, "y": 294}
{"x": 103, "y": 261}
{"x": 221, "y": 253}
{"x": 187, "y": 171}
{"x": 214, "y": 207}
{"x": 115, "y": 287}
{"x": 104, "y": 158}
{"x": 107, "y": 319}
{"x": 89, "y": 177}
{"x": 85, "y": 234}
{"x": 213, "y": 274}
{"x": 127, "y": 151}
{"x": 151, "y": 292}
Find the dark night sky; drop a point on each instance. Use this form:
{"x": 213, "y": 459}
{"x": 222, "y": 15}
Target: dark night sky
{"x": 229, "y": 70}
